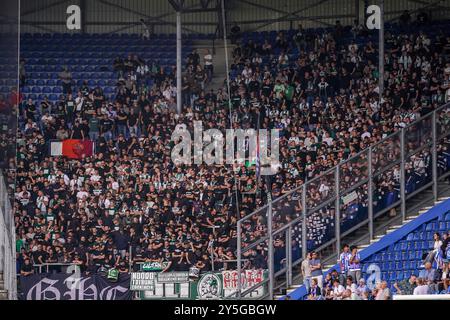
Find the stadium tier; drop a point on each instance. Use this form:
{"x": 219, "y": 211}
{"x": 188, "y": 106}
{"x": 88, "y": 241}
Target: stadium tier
{"x": 362, "y": 138}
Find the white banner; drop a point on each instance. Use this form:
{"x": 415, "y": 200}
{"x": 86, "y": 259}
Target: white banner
{"x": 249, "y": 279}
{"x": 56, "y": 148}
{"x": 352, "y": 196}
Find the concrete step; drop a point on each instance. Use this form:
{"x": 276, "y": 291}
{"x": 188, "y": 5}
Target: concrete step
{"x": 328, "y": 266}
{"x": 3, "y": 295}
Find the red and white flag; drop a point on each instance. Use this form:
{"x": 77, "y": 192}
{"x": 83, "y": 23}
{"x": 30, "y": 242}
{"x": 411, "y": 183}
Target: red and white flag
{"x": 72, "y": 148}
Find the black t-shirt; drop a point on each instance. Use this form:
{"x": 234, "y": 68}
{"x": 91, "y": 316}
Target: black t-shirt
{"x": 107, "y": 125}
{"x": 26, "y": 267}
{"x": 121, "y": 114}
{"x": 146, "y": 117}
{"x": 266, "y": 89}
{"x": 38, "y": 254}
{"x": 314, "y": 117}
{"x": 132, "y": 119}
{"x": 77, "y": 132}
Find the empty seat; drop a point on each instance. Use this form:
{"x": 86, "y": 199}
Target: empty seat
{"x": 46, "y": 90}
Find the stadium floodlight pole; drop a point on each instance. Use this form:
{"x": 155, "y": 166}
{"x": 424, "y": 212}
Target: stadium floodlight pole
{"x": 179, "y": 83}
{"x": 230, "y": 107}
{"x": 381, "y": 52}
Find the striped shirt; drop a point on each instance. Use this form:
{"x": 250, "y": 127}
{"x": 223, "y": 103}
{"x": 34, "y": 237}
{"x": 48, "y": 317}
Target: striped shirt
{"x": 344, "y": 260}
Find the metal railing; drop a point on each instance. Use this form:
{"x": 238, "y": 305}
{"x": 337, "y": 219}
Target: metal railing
{"x": 7, "y": 242}
{"x": 319, "y": 213}
{"x": 56, "y": 267}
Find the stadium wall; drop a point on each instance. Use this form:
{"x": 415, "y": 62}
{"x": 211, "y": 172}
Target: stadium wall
{"x": 389, "y": 239}
{"x": 103, "y": 16}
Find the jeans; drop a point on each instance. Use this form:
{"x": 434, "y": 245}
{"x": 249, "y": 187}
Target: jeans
{"x": 310, "y": 100}
{"x": 108, "y": 135}
{"x": 134, "y": 130}
{"x": 355, "y": 274}
{"x": 307, "y": 283}
{"x": 122, "y": 129}
{"x": 343, "y": 277}
{"x": 209, "y": 72}
{"x": 93, "y": 136}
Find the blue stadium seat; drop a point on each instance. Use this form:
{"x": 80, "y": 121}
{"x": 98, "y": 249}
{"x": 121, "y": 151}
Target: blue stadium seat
{"x": 431, "y": 226}
{"x": 46, "y": 90}
{"x": 57, "y": 90}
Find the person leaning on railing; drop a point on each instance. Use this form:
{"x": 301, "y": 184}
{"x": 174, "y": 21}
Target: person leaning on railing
{"x": 26, "y": 268}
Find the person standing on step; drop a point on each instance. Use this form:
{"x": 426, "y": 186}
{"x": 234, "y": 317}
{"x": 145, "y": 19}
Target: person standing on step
{"x": 316, "y": 269}
{"x": 306, "y": 271}
{"x": 344, "y": 261}
{"x": 354, "y": 268}
{"x": 209, "y": 68}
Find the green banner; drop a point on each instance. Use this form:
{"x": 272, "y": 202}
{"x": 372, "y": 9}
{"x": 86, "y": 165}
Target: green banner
{"x": 153, "y": 266}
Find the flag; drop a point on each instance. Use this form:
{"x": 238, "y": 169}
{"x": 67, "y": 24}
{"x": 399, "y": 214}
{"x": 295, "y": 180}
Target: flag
{"x": 72, "y": 148}
{"x": 439, "y": 259}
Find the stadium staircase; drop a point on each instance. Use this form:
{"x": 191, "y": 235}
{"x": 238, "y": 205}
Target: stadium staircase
{"x": 217, "y": 48}
{"x": 3, "y": 292}
{"x": 398, "y": 246}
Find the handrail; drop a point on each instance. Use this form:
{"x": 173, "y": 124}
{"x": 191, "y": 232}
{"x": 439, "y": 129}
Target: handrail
{"x": 436, "y": 132}
{"x": 322, "y": 175}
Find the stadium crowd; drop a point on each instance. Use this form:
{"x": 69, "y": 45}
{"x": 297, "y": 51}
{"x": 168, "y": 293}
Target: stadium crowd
{"x": 349, "y": 284}
{"x": 129, "y": 198}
